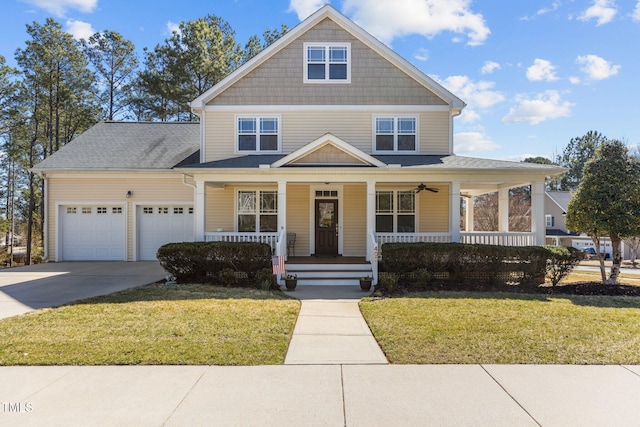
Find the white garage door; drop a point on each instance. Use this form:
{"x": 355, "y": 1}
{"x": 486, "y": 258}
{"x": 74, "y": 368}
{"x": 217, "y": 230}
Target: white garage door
{"x": 93, "y": 233}
{"x": 158, "y": 225}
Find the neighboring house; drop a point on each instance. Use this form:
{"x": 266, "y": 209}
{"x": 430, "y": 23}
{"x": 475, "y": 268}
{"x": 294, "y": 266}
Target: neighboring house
{"x": 327, "y": 134}
{"x": 555, "y": 209}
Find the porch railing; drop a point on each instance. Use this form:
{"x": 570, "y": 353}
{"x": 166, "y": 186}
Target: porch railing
{"x": 373, "y": 253}
{"x": 498, "y": 238}
{"x": 382, "y": 238}
{"x": 229, "y": 236}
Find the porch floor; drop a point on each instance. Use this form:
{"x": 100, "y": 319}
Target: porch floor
{"x": 326, "y": 260}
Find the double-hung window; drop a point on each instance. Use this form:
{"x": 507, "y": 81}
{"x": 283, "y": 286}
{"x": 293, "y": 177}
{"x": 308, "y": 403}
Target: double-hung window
{"x": 258, "y": 134}
{"x": 395, "y": 212}
{"x": 257, "y": 211}
{"x": 395, "y": 134}
{"x": 327, "y": 63}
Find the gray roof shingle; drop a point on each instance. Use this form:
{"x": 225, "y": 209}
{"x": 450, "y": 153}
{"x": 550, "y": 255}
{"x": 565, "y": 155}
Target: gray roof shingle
{"x": 128, "y": 145}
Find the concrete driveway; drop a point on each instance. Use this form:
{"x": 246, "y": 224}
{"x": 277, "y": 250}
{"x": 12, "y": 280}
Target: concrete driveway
{"x": 23, "y": 289}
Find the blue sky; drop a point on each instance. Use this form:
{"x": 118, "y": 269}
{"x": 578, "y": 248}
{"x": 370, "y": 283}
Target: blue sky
{"x": 534, "y": 74}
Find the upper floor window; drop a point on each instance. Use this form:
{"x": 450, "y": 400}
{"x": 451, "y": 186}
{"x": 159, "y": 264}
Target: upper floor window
{"x": 327, "y": 63}
{"x": 258, "y": 134}
{"x": 395, "y": 134}
{"x": 548, "y": 220}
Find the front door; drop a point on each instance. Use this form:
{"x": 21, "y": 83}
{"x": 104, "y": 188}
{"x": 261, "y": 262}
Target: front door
{"x": 326, "y": 227}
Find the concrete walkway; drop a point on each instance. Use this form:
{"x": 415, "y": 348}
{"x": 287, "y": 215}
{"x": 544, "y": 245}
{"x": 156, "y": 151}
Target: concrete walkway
{"x": 321, "y": 395}
{"x": 330, "y": 329}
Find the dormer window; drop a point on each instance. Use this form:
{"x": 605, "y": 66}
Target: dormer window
{"x": 258, "y": 134}
{"x": 327, "y": 62}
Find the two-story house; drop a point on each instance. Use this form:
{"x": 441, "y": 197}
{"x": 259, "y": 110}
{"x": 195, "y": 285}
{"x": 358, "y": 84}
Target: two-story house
{"x": 327, "y": 134}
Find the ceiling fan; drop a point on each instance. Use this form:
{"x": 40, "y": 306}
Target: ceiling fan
{"x": 421, "y": 187}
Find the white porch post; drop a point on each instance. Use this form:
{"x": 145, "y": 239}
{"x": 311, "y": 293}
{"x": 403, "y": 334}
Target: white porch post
{"x": 454, "y": 212}
{"x": 198, "y": 210}
{"x": 503, "y": 210}
{"x": 371, "y": 210}
{"x": 470, "y": 217}
{"x": 537, "y": 212}
{"x": 282, "y": 207}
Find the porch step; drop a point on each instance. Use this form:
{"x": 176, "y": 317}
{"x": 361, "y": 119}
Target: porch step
{"x": 329, "y": 274}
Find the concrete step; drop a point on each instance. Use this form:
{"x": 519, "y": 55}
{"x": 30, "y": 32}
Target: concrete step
{"x": 329, "y": 274}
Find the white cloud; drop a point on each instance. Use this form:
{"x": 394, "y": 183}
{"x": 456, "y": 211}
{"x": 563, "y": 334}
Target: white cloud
{"x": 173, "y": 27}
{"x": 387, "y": 20}
{"x": 475, "y": 94}
{"x": 544, "y": 106}
{"x": 489, "y": 67}
{"x": 541, "y": 70}
{"x": 469, "y": 116}
{"x": 602, "y": 10}
{"x": 422, "y": 54}
{"x": 554, "y": 6}
{"x": 597, "y": 68}
{"x": 304, "y": 8}
{"x": 466, "y": 142}
{"x": 80, "y": 30}
{"x": 60, "y": 7}
{"x": 636, "y": 12}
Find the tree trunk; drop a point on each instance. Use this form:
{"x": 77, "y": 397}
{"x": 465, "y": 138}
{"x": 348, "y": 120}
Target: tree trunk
{"x": 603, "y": 270}
{"x": 617, "y": 260}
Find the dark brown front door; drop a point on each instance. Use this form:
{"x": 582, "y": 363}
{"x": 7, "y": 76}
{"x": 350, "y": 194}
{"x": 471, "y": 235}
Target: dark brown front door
{"x": 326, "y": 227}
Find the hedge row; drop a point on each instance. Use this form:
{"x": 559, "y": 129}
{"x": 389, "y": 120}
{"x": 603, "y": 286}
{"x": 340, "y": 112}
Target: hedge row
{"x": 417, "y": 264}
{"x": 227, "y": 263}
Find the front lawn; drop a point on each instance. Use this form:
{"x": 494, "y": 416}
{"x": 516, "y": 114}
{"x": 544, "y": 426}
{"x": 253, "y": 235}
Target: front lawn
{"x": 156, "y": 325}
{"x": 505, "y": 328}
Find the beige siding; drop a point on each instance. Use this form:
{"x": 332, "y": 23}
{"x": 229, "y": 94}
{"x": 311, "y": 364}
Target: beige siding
{"x": 354, "y": 223}
{"x": 113, "y": 191}
{"x": 220, "y": 210}
{"x": 302, "y": 127}
{"x": 374, "y": 81}
{"x": 298, "y": 216}
{"x": 433, "y": 210}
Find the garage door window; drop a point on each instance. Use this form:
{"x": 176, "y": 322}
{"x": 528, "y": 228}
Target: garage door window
{"x": 86, "y": 210}
{"x": 72, "y": 211}
{"x": 117, "y": 210}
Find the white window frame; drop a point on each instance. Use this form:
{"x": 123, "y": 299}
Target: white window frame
{"x": 548, "y": 221}
{"x": 257, "y": 211}
{"x": 327, "y": 47}
{"x": 396, "y": 211}
{"x": 258, "y": 133}
{"x": 396, "y": 133}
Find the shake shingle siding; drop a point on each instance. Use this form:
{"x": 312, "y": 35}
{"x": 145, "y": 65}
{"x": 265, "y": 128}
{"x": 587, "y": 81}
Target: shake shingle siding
{"x": 374, "y": 80}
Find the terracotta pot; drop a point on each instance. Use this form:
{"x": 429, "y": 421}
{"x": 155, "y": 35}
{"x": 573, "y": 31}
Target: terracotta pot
{"x": 291, "y": 284}
{"x": 365, "y": 285}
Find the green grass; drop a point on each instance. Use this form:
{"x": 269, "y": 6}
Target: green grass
{"x": 463, "y": 327}
{"x": 155, "y": 325}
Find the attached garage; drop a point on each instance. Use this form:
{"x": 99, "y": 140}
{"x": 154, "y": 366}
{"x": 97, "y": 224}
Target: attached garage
{"x": 162, "y": 224}
{"x": 92, "y": 233}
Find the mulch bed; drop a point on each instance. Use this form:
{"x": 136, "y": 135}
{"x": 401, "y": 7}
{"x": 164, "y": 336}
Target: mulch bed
{"x": 592, "y": 288}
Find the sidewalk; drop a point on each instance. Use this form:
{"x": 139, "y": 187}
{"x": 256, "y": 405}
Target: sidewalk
{"x": 331, "y": 330}
{"x": 321, "y": 395}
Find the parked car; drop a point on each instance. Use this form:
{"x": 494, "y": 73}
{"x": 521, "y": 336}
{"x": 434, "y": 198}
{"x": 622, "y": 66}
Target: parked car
{"x": 591, "y": 252}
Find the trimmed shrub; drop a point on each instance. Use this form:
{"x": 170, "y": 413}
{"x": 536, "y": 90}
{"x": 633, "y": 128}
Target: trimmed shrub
{"x": 208, "y": 262}
{"x": 420, "y": 265}
{"x": 561, "y": 261}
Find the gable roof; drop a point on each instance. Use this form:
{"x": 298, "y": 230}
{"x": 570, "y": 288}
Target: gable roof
{"x": 128, "y": 146}
{"x": 351, "y": 154}
{"x": 560, "y": 198}
{"x": 328, "y": 11}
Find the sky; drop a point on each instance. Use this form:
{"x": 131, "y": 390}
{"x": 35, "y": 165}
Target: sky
{"x": 534, "y": 73}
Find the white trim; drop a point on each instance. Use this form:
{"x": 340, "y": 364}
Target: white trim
{"x": 91, "y": 203}
{"x": 312, "y": 213}
{"x": 134, "y": 226}
{"x": 327, "y": 64}
{"x": 328, "y": 139}
{"x": 395, "y": 118}
{"x": 292, "y": 107}
{"x": 257, "y": 118}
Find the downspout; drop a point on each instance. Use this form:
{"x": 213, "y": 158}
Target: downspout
{"x": 184, "y": 182}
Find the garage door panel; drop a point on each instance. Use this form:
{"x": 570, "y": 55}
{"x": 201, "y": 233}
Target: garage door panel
{"x": 158, "y": 225}
{"x": 92, "y": 233}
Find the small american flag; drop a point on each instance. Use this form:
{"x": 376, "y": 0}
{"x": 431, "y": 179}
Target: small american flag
{"x": 277, "y": 263}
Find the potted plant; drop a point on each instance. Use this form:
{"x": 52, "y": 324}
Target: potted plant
{"x": 290, "y": 281}
{"x": 365, "y": 283}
